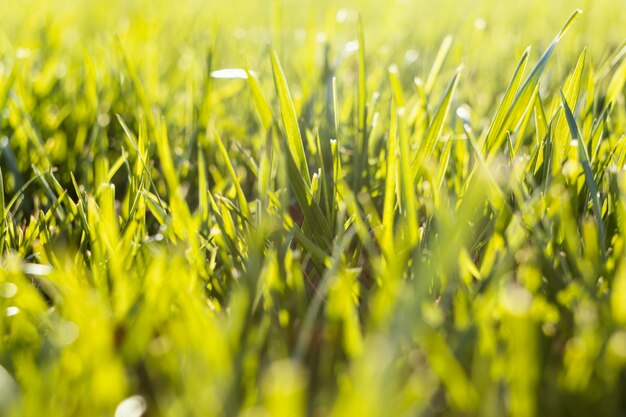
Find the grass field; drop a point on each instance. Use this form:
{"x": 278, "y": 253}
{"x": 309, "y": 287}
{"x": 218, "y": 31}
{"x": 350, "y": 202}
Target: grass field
{"x": 312, "y": 208}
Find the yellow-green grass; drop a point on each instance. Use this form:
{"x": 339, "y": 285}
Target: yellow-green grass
{"x": 316, "y": 208}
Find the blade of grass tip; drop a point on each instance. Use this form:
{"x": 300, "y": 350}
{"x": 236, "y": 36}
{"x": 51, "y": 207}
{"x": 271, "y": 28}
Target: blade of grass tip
{"x": 290, "y": 120}
{"x": 525, "y": 93}
{"x": 589, "y": 179}
{"x": 567, "y": 24}
{"x": 438, "y": 63}
{"x": 436, "y": 126}
{"x": 505, "y": 104}
{"x": 396, "y": 86}
{"x": 262, "y": 106}
{"x": 241, "y": 198}
{"x": 361, "y": 148}
{"x": 422, "y": 100}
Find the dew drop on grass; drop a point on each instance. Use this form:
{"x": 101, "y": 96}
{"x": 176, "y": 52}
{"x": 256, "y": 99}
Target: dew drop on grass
{"x": 345, "y": 15}
{"x": 133, "y": 406}
{"x": 65, "y": 333}
{"x": 11, "y": 311}
{"x": 617, "y": 344}
{"x": 8, "y": 290}
{"x": 516, "y": 300}
{"x": 9, "y": 390}
{"x": 22, "y": 53}
{"x": 240, "y": 33}
{"x": 103, "y": 120}
{"x": 230, "y": 73}
{"x": 411, "y": 56}
{"x": 300, "y": 34}
{"x": 351, "y": 46}
{"x": 464, "y": 114}
{"x": 160, "y": 346}
{"x": 480, "y": 24}
{"x": 37, "y": 269}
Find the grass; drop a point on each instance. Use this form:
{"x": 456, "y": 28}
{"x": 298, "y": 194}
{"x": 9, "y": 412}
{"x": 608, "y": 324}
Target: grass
{"x": 299, "y": 209}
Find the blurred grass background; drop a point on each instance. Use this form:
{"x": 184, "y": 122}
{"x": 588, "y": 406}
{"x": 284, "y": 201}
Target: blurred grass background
{"x": 104, "y": 317}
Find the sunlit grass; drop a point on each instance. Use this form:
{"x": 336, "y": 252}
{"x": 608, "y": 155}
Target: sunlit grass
{"x": 297, "y": 208}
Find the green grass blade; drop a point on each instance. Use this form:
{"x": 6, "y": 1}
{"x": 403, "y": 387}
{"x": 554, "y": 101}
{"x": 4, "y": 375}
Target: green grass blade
{"x": 241, "y": 198}
{"x": 561, "y": 130}
{"x": 390, "y": 182}
{"x": 290, "y": 121}
{"x": 498, "y": 120}
{"x": 525, "y": 93}
{"x": 427, "y": 144}
{"x": 262, "y": 106}
{"x": 408, "y": 184}
{"x": 361, "y": 148}
{"x": 589, "y": 178}
{"x": 438, "y": 64}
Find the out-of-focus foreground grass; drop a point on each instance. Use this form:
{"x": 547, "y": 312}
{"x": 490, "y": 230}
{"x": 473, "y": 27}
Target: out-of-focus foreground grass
{"x": 293, "y": 208}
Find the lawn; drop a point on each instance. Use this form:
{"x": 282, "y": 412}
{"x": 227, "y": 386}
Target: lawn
{"x": 312, "y": 208}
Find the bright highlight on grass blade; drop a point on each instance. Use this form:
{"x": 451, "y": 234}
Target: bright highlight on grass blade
{"x": 231, "y": 73}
